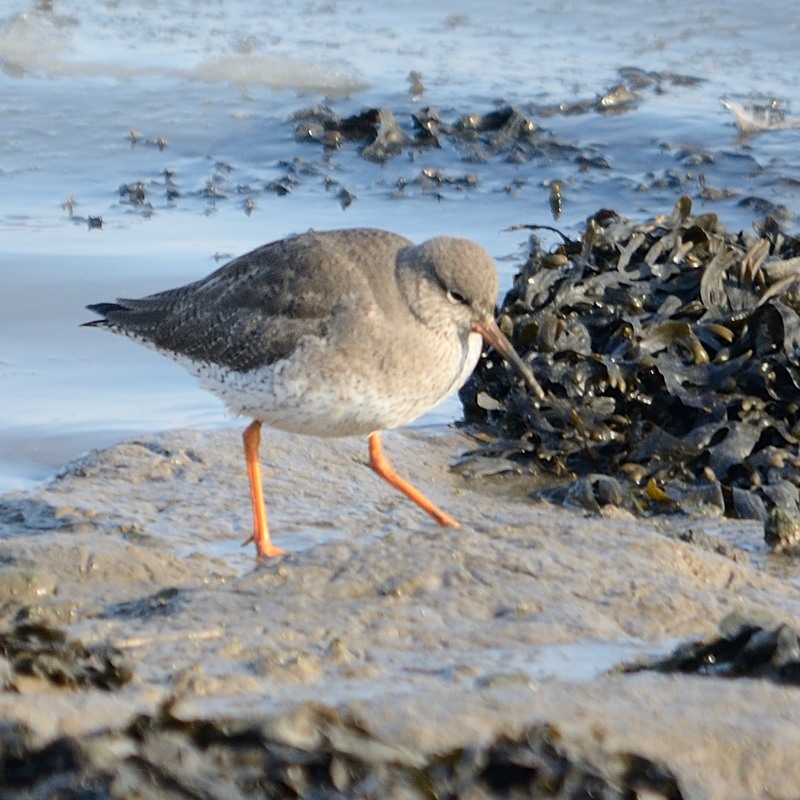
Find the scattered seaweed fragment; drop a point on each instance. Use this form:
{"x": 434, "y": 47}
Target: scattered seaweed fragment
{"x": 45, "y": 653}
{"x": 163, "y": 603}
{"x": 506, "y": 132}
{"x": 669, "y": 354}
{"x": 749, "y": 651}
{"x": 782, "y": 531}
{"x": 311, "y": 752}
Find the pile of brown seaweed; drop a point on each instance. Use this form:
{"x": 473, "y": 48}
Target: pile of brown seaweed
{"x": 669, "y": 352}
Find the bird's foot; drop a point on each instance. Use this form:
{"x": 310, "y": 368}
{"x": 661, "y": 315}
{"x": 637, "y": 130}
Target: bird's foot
{"x": 445, "y": 520}
{"x": 264, "y": 549}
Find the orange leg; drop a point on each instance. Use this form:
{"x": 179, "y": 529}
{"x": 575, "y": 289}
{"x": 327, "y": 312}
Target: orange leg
{"x": 264, "y": 546}
{"x": 379, "y": 462}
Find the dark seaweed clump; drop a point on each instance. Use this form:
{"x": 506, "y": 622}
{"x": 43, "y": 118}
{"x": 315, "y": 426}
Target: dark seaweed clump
{"x": 311, "y": 753}
{"x": 669, "y": 355}
{"x": 47, "y": 654}
{"x": 749, "y": 651}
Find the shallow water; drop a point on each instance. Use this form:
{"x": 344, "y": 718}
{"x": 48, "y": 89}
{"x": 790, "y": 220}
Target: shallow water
{"x": 215, "y": 84}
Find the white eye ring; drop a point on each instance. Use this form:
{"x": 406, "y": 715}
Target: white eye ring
{"x": 456, "y": 298}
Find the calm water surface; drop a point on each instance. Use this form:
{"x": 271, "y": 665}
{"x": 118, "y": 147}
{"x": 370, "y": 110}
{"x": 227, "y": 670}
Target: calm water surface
{"x": 210, "y": 87}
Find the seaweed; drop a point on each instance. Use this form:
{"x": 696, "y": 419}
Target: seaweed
{"x": 744, "y": 650}
{"x": 44, "y": 653}
{"x": 669, "y": 354}
{"x": 312, "y": 752}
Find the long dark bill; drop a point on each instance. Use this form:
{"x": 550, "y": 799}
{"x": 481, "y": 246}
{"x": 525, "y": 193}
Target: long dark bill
{"x": 493, "y": 336}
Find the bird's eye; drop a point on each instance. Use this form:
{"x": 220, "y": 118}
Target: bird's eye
{"x": 456, "y": 297}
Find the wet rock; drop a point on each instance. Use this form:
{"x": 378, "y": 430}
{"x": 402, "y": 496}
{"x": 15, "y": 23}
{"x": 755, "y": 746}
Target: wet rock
{"x": 668, "y": 352}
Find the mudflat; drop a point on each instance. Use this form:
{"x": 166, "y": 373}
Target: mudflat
{"x": 429, "y": 641}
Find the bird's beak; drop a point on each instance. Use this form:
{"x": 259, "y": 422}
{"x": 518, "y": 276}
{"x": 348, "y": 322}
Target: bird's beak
{"x": 494, "y": 337}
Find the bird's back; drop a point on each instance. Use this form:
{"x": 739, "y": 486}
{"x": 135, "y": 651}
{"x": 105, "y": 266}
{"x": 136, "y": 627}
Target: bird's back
{"x": 251, "y": 312}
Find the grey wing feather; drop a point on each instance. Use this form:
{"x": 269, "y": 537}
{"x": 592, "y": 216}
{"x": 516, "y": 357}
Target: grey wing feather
{"x": 247, "y": 314}
{"x": 252, "y": 311}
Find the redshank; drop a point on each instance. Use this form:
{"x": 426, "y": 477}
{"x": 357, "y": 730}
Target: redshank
{"x": 336, "y": 333}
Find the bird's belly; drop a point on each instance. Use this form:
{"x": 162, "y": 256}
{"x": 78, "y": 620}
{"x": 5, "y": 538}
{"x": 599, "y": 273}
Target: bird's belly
{"x": 346, "y": 403}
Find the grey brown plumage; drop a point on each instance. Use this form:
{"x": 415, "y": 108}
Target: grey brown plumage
{"x": 252, "y": 311}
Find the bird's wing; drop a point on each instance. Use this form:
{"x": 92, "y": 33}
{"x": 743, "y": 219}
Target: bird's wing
{"x": 252, "y": 311}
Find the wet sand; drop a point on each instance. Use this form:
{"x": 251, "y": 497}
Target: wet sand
{"x": 431, "y": 638}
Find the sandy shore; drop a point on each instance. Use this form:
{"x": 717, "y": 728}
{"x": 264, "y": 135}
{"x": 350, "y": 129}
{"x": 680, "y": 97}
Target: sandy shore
{"x": 432, "y": 638}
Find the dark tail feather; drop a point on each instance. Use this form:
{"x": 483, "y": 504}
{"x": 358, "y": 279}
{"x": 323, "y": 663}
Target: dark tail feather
{"x": 103, "y": 309}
